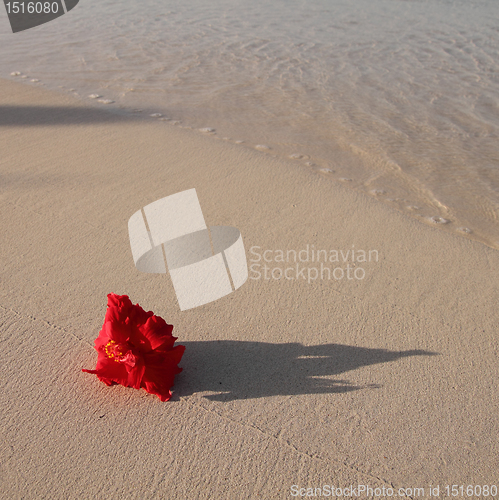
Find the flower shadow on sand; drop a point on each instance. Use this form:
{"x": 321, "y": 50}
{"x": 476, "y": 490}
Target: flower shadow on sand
{"x": 244, "y": 370}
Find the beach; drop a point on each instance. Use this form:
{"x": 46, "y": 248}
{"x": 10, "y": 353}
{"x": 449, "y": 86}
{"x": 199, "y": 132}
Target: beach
{"x": 382, "y": 375}
{"x": 394, "y": 99}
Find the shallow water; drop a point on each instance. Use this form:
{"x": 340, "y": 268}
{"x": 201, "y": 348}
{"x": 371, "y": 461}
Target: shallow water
{"x": 396, "y": 98}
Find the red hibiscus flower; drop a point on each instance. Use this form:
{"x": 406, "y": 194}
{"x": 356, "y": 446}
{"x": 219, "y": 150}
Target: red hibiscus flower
{"x": 136, "y": 349}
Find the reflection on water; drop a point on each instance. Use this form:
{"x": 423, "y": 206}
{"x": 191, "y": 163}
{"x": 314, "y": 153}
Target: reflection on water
{"x": 400, "y": 96}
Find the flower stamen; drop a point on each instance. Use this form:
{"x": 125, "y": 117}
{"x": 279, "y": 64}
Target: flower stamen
{"x": 111, "y": 351}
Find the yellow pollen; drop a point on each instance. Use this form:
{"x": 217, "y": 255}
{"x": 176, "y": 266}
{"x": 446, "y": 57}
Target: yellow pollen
{"x": 111, "y": 351}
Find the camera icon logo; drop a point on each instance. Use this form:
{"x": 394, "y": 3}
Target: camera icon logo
{"x": 205, "y": 264}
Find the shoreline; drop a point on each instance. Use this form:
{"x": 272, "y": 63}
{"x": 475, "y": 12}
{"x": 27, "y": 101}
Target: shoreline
{"x": 345, "y": 162}
{"x": 389, "y": 381}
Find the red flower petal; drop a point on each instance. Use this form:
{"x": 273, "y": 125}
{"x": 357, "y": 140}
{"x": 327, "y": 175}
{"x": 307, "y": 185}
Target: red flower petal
{"x": 135, "y": 376}
{"x": 102, "y": 339}
{"x": 110, "y": 371}
{"x": 160, "y": 372}
{"x": 116, "y": 330}
{"x": 118, "y": 308}
{"x": 157, "y": 333}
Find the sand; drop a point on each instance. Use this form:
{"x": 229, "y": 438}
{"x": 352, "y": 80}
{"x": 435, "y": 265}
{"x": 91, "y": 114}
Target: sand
{"x": 389, "y": 381}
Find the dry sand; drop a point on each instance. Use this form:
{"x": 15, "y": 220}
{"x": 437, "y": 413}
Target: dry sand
{"x": 389, "y": 381}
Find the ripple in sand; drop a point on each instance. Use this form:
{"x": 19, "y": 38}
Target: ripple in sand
{"x": 25, "y": 76}
{"x": 438, "y": 220}
{"x": 105, "y": 101}
{"x": 466, "y": 230}
{"x": 345, "y": 179}
{"x": 207, "y": 130}
{"x": 412, "y": 207}
{"x": 35, "y": 80}
{"x": 239, "y": 141}
{"x": 94, "y": 96}
{"x": 295, "y": 156}
{"x": 15, "y": 73}
{"x": 326, "y": 171}
{"x": 262, "y": 147}
{"x": 156, "y": 115}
